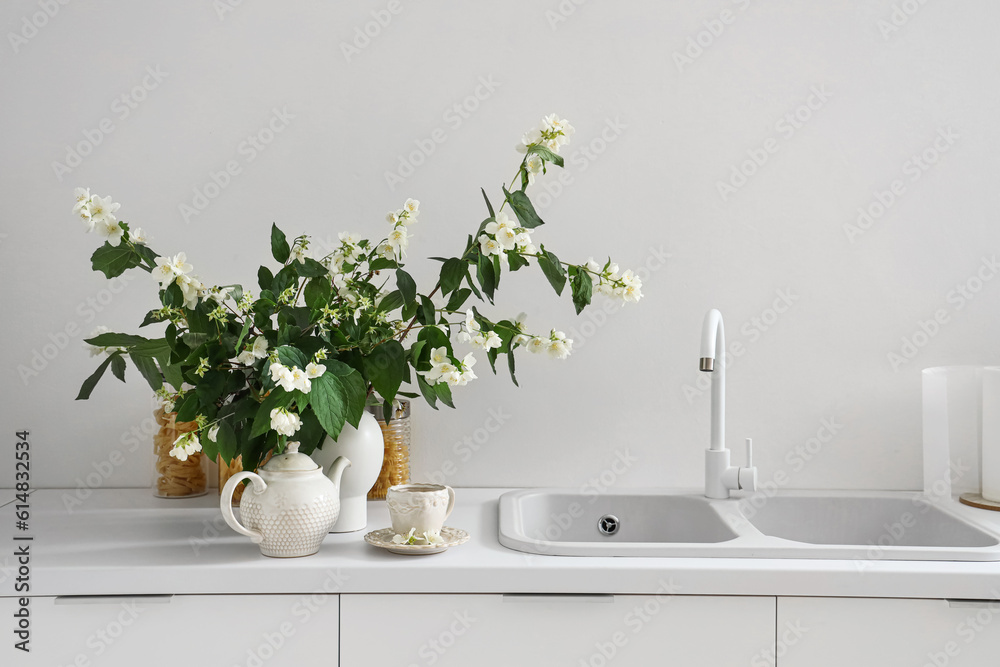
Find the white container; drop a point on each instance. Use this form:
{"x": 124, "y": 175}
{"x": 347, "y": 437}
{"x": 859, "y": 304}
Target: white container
{"x": 952, "y": 426}
{"x": 421, "y": 508}
{"x": 991, "y": 434}
{"x": 365, "y": 448}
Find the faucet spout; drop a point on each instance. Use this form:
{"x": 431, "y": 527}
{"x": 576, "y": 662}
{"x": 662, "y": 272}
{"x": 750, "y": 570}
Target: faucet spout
{"x": 720, "y": 476}
{"x": 713, "y": 360}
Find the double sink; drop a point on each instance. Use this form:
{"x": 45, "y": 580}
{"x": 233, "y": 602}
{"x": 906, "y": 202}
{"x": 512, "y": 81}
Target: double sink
{"x": 863, "y": 527}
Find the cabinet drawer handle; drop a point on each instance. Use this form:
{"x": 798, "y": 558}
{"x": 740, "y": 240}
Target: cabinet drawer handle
{"x": 568, "y": 597}
{"x": 993, "y": 605}
{"x": 113, "y": 599}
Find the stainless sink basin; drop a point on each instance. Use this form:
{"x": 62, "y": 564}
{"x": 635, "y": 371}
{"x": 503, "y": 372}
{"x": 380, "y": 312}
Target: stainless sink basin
{"x": 864, "y": 527}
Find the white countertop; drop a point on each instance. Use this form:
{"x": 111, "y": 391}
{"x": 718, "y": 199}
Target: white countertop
{"x": 126, "y": 542}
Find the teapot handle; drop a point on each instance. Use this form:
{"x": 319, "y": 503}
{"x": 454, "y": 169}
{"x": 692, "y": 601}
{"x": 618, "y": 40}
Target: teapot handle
{"x": 226, "y": 502}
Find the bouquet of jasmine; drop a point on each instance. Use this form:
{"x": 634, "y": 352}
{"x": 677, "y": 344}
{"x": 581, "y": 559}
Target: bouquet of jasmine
{"x": 325, "y": 335}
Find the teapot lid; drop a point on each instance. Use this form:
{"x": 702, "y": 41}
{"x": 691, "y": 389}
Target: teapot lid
{"x": 291, "y": 461}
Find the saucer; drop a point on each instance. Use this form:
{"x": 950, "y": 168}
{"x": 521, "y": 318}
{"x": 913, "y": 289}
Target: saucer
{"x": 383, "y": 539}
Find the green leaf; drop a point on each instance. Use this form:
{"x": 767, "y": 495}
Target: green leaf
{"x": 243, "y": 334}
{"x": 510, "y": 366}
{"x": 318, "y": 292}
{"x": 489, "y": 206}
{"x": 150, "y": 318}
{"x": 278, "y": 398}
{"x": 546, "y": 154}
{"x": 264, "y": 278}
{"x": 114, "y": 260}
{"x": 583, "y": 288}
{"x": 452, "y": 273}
{"x": 91, "y": 382}
{"x": 516, "y": 260}
{"x": 157, "y": 347}
{"x": 427, "y": 391}
{"x": 385, "y": 368}
{"x": 311, "y": 434}
{"x": 290, "y": 356}
{"x": 553, "y": 270}
{"x": 188, "y": 407}
{"x": 523, "y": 209}
{"x": 338, "y": 396}
{"x": 279, "y": 245}
{"x": 391, "y": 301}
{"x": 458, "y": 299}
{"x": 382, "y": 263}
{"x": 225, "y": 441}
{"x": 310, "y": 268}
{"x": 115, "y": 340}
{"x": 173, "y": 374}
{"x": 210, "y": 387}
{"x": 118, "y": 367}
{"x": 487, "y": 276}
{"x": 406, "y": 286}
{"x": 147, "y": 368}
{"x": 443, "y": 392}
{"x": 427, "y": 312}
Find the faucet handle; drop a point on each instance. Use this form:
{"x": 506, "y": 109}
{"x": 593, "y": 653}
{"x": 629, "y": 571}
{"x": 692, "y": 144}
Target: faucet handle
{"x": 747, "y": 477}
{"x": 749, "y": 452}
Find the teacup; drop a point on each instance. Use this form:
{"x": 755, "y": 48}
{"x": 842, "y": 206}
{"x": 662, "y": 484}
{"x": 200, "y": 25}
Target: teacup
{"x": 420, "y": 507}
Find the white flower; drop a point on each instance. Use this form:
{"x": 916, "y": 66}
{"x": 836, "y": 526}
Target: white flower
{"x": 432, "y": 537}
{"x": 392, "y": 216}
{"x": 404, "y": 539}
{"x": 593, "y": 266}
{"x": 137, "y": 236}
{"x": 528, "y": 138}
{"x": 398, "y": 240}
{"x": 412, "y": 206}
{"x": 314, "y": 370}
{"x": 110, "y": 230}
{"x": 277, "y": 371}
{"x": 185, "y": 446}
{"x": 538, "y": 344}
{"x": 102, "y": 209}
{"x": 439, "y": 355}
{"x": 533, "y": 165}
{"x": 299, "y": 253}
{"x": 164, "y": 272}
{"x": 299, "y": 380}
{"x": 246, "y": 357}
{"x": 94, "y": 349}
{"x": 503, "y": 230}
{"x": 213, "y": 433}
{"x": 385, "y": 250}
{"x": 179, "y": 264}
{"x": 560, "y": 346}
{"x": 82, "y": 196}
{"x": 259, "y": 347}
{"x": 190, "y": 289}
{"x": 286, "y": 380}
{"x": 489, "y": 340}
{"x": 285, "y": 422}
{"x": 489, "y": 246}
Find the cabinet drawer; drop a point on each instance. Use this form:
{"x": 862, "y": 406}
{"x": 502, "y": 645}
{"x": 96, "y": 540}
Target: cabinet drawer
{"x": 589, "y": 631}
{"x": 181, "y": 630}
{"x": 867, "y": 632}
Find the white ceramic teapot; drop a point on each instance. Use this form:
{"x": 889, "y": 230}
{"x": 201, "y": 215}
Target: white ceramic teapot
{"x": 290, "y": 506}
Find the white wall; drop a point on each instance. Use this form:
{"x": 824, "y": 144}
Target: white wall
{"x": 670, "y": 134}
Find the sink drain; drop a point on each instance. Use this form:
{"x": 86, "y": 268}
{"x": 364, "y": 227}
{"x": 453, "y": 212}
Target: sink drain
{"x": 608, "y": 524}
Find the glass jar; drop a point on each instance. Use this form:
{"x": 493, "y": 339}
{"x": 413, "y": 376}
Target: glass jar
{"x": 174, "y": 478}
{"x": 396, "y": 435}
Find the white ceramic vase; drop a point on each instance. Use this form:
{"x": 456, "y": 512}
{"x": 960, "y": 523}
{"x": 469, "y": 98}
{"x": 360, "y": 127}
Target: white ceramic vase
{"x": 365, "y": 448}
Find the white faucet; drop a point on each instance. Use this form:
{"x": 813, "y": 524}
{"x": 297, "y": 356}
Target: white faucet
{"x": 720, "y": 477}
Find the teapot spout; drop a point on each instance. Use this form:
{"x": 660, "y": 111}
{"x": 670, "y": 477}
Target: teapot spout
{"x": 337, "y": 468}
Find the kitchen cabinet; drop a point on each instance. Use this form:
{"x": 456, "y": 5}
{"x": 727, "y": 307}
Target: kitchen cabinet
{"x": 388, "y": 630}
{"x": 868, "y": 632}
{"x": 175, "y": 630}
